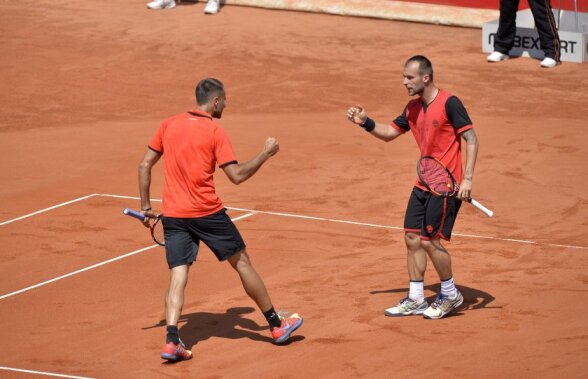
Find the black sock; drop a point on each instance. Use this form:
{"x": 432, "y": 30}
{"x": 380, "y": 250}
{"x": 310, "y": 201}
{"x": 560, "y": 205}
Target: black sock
{"x": 172, "y": 334}
{"x": 272, "y": 318}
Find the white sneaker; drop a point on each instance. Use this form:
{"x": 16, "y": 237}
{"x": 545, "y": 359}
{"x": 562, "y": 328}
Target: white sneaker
{"x": 212, "y": 7}
{"x": 161, "y": 4}
{"x": 549, "y": 63}
{"x": 443, "y": 305}
{"x": 407, "y": 307}
{"x": 497, "y": 56}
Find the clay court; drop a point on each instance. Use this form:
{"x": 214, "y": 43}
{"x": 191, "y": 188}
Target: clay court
{"x": 81, "y": 291}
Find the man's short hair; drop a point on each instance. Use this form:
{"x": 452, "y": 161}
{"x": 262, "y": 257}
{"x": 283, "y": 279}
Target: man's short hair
{"x": 207, "y": 89}
{"x": 425, "y": 65}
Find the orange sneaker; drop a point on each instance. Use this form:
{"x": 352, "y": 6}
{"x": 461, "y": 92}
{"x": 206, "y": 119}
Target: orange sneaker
{"x": 173, "y": 352}
{"x": 289, "y": 324}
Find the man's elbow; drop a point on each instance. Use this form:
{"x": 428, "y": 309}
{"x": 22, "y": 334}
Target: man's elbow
{"x": 390, "y": 137}
{"x": 235, "y": 176}
{"x": 236, "y": 180}
{"x": 144, "y": 166}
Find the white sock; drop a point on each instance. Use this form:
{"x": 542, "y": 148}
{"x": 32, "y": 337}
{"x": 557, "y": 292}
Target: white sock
{"x": 416, "y": 290}
{"x": 448, "y": 288}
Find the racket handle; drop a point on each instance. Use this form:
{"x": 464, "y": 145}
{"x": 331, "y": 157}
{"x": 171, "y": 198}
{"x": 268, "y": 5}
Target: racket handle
{"x": 482, "y": 208}
{"x": 135, "y": 214}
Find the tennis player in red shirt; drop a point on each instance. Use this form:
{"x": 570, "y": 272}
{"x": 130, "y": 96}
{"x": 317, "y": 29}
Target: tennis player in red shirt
{"x": 193, "y": 145}
{"x": 438, "y": 121}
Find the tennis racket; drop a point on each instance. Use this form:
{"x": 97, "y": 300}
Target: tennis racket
{"x": 437, "y": 178}
{"x": 155, "y": 226}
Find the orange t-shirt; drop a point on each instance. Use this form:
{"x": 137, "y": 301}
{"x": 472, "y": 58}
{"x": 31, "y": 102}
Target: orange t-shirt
{"x": 192, "y": 145}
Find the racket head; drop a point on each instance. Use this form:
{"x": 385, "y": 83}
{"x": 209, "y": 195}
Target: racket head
{"x": 156, "y": 228}
{"x": 436, "y": 177}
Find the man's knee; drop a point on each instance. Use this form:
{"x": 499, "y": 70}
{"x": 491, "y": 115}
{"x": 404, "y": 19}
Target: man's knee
{"x": 413, "y": 241}
{"x": 239, "y": 259}
{"x": 179, "y": 274}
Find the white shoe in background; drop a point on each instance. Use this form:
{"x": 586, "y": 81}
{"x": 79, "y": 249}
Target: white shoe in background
{"x": 212, "y": 7}
{"x": 161, "y": 4}
{"x": 549, "y": 63}
{"x": 497, "y": 56}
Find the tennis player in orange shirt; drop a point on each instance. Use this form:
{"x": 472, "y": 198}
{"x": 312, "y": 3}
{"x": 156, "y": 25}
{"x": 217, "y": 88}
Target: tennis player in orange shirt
{"x": 193, "y": 145}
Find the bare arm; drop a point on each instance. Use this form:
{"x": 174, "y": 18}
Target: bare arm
{"x": 465, "y": 187}
{"x": 385, "y": 132}
{"x": 240, "y": 172}
{"x": 149, "y": 159}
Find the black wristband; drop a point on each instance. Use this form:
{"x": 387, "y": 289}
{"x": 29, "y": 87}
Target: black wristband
{"x": 369, "y": 124}
{"x": 146, "y": 209}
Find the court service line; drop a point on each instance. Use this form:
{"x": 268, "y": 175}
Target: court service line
{"x": 48, "y": 209}
{"x": 401, "y": 228}
{"x": 522, "y": 241}
{"x": 43, "y": 373}
{"x": 79, "y": 271}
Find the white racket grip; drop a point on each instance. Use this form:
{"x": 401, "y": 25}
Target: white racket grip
{"x": 482, "y": 208}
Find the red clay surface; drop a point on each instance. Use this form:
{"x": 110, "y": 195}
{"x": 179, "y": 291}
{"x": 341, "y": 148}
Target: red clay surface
{"x": 495, "y": 4}
{"x": 84, "y": 88}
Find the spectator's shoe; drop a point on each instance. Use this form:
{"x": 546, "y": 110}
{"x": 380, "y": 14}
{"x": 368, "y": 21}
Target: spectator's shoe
{"x": 289, "y": 324}
{"x": 549, "y": 63}
{"x": 173, "y": 352}
{"x": 497, "y": 56}
{"x": 407, "y": 307}
{"x": 443, "y": 305}
{"x": 161, "y": 4}
{"x": 212, "y": 7}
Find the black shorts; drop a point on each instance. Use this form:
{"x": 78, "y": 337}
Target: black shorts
{"x": 183, "y": 236}
{"x": 431, "y": 216}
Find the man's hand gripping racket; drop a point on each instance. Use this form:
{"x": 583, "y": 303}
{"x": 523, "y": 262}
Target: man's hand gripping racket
{"x": 153, "y": 223}
{"x": 437, "y": 178}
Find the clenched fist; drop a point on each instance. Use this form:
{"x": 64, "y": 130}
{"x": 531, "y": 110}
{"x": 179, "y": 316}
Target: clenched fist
{"x": 357, "y": 115}
{"x": 271, "y": 146}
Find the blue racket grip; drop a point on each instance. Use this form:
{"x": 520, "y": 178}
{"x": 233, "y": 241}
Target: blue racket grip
{"x": 135, "y": 214}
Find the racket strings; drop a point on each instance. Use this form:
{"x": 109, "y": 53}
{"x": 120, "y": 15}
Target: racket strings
{"x": 157, "y": 231}
{"x": 436, "y": 177}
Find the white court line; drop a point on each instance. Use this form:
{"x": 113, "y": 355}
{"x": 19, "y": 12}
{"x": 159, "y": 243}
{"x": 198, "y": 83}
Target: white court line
{"x": 243, "y": 216}
{"x": 400, "y": 228}
{"x": 47, "y": 209}
{"x": 43, "y": 373}
{"x": 79, "y": 271}
{"x": 528, "y": 242}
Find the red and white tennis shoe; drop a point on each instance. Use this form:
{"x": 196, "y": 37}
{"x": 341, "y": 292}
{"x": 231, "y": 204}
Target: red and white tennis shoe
{"x": 173, "y": 352}
{"x": 289, "y": 325}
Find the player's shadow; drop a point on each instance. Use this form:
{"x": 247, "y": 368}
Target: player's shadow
{"x": 473, "y": 299}
{"x": 200, "y": 326}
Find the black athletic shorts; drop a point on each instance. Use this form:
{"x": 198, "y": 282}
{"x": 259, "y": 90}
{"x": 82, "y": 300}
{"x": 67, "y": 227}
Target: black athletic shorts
{"x": 183, "y": 236}
{"x": 431, "y": 216}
